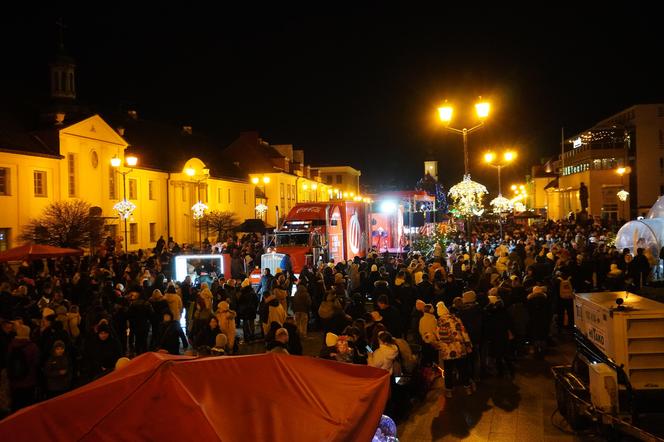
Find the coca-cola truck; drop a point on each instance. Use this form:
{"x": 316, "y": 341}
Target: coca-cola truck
{"x": 318, "y": 231}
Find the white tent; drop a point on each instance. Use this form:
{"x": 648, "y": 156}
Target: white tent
{"x": 645, "y": 233}
{"x": 657, "y": 209}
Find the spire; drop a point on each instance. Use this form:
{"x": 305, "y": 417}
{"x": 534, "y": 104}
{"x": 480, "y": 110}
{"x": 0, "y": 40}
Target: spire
{"x": 62, "y": 69}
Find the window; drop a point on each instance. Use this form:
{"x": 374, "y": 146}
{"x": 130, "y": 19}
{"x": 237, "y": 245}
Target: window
{"x": 205, "y": 193}
{"x": 71, "y": 174}
{"x": 151, "y": 190}
{"x": 111, "y": 183}
{"x": 328, "y": 179}
{"x": 4, "y": 239}
{"x": 133, "y": 233}
{"x": 219, "y": 195}
{"x": 339, "y": 179}
{"x": 132, "y": 189}
{"x": 4, "y": 181}
{"x": 184, "y": 193}
{"x": 39, "y": 178}
{"x": 229, "y": 196}
{"x": 661, "y": 138}
{"x": 245, "y": 197}
{"x": 660, "y": 111}
{"x": 153, "y": 232}
{"x": 282, "y": 196}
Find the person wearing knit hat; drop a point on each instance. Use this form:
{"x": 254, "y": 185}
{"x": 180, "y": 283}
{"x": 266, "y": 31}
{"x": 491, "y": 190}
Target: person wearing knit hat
{"x": 220, "y": 344}
{"x": 419, "y": 305}
{"x": 418, "y": 277}
{"x": 493, "y": 299}
{"x": 469, "y": 297}
{"x": 122, "y": 362}
{"x": 331, "y": 339}
{"x": 441, "y": 309}
{"x": 226, "y": 318}
{"x": 47, "y": 312}
{"x": 245, "y": 283}
{"x": 375, "y": 315}
{"x": 374, "y": 268}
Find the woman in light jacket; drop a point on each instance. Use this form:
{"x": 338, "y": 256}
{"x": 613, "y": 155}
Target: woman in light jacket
{"x": 386, "y": 353}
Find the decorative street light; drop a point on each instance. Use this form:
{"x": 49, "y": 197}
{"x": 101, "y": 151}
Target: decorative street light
{"x": 500, "y": 204}
{"x": 467, "y": 194}
{"x": 198, "y": 209}
{"x": 124, "y": 208}
{"x": 623, "y": 194}
{"x": 260, "y": 208}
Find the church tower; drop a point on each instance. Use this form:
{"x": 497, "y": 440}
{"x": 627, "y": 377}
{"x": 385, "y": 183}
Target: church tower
{"x": 63, "y": 71}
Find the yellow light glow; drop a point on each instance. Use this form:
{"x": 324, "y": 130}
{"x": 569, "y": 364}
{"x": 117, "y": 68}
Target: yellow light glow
{"x": 513, "y": 187}
{"x": 190, "y": 171}
{"x": 345, "y": 194}
{"x": 314, "y": 186}
{"x": 304, "y": 186}
{"x": 522, "y": 187}
{"x": 489, "y": 157}
{"x": 266, "y": 179}
{"x": 335, "y": 190}
{"x": 131, "y": 160}
{"x": 255, "y": 180}
{"x": 115, "y": 162}
{"x": 509, "y": 155}
{"x": 352, "y": 194}
{"x": 445, "y": 113}
{"x": 621, "y": 170}
{"x": 482, "y": 109}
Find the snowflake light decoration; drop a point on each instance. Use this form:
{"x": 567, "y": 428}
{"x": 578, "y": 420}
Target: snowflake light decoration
{"x": 467, "y": 196}
{"x": 124, "y": 208}
{"x": 622, "y": 195}
{"x": 199, "y": 210}
{"x": 261, "y": 208}
{"x": 501, "y": 204}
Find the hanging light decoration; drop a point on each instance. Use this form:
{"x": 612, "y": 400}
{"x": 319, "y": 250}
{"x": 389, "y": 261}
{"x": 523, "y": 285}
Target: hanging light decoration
{"x": 199, "y": 210}
{"x": 467, "y": 196}
{"x": 261, "y": 208}
{"x": 501, "y": 204}
{"x": 124, "y": 208}
{"x": 622, "y": 195}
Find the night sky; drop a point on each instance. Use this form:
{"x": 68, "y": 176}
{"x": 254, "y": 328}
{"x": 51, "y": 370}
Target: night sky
{"x": 357, "y": 87}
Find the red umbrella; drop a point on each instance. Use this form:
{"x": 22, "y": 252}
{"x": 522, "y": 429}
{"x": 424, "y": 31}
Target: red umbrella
{"x": 161, "y": 397}
{"x": 36, "y": 251}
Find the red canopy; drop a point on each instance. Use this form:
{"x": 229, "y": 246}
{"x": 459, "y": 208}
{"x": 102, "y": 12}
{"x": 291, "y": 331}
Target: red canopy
{"x": 174, "y": 398}
{"x": 36, "y": 251}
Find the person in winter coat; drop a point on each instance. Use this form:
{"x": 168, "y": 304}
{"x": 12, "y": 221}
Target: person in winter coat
{"x": 247, "y": 304}
{"x": 102, "y": 352}
{"x": 454, "y": 346}
{"x": 220, "y": 345}
{"x": 22, "y": 368}
{"x": 170, "y": 334}
{"x": 139, "y": 314}
{"x": 331, "y": 314}
{"x": 58, "y": 371}
{"x": 174, "y": 301}
{"x": 265, "y": 284}
{"x": 539, "y": 317}
{"x": 280, "y": 342}
{"x": 386, "y": 353}
{"x": 496, "y": 334}
{"x": 391, "y": 317}
{"x": 226, "y": 318}
{"x": 428, "y": 331}
{"x": 207, "y": 335}
{"x": 470, "y": 313}
{"x": 301, "y": 307}
{"x": 159, "y": 306}
{"x": 356, "y": 308}
{"x": 294, "y": 341}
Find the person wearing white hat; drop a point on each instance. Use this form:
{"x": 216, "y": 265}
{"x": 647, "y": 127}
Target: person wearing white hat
{"x": 226, "y": 318}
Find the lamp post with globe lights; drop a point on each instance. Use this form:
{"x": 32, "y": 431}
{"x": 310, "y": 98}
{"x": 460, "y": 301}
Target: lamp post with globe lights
{"x": 623, "y": 194}
{"x": 500, "y": 204}
{"x": 467, "y": 194}
{"x": 261, "y": 208}
{"x": 198, "y": 209}
{"x": 124, "y": 208}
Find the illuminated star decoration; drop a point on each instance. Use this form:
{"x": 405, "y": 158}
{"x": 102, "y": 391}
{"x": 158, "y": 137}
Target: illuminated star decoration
{"x": 199, "y": 210}
{"x": 124, "y": 208}
{"x": 261, "y": 208}
{"x": 467, "y": 196}
{"x": 501, "y": 204}
{"x": 622, "y": 195}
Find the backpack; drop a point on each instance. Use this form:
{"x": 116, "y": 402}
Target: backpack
{"x": 566, "y": 291}
{"x": 18, "y": 367}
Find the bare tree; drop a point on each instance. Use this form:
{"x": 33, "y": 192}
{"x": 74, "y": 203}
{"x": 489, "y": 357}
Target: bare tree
{"x": 221, "y": 223}
{"x": 65, "y": 224}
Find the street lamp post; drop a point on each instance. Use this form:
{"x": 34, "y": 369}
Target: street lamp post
{"x": 199, "y": 208}
{"x": 124, "y": 208}
{"x": 467, "y": 191}
{"x": 500, "y": 203}
{"x": 261, "y": 208}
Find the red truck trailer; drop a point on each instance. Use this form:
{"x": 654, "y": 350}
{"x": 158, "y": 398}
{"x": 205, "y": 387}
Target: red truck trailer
{"x": 314, "y": 231}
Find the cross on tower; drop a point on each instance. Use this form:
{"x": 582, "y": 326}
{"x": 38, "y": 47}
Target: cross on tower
{"x": 60, "y": 24}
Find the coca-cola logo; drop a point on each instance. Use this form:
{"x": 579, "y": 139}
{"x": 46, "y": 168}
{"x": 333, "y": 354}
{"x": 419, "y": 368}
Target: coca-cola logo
{"x": 354, "y": 234}
{"x": 308, "y": 209}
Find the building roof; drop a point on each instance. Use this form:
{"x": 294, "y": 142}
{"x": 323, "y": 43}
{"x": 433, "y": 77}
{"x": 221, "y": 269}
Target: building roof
{"x": 253, "y": 155}
{"x": 167, "y": 147}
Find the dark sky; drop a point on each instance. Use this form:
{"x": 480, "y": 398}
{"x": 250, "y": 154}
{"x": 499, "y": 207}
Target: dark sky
{"x": 360, "y": 86}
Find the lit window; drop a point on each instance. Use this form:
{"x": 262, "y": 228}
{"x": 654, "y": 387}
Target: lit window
{"x": 71, "y": 173}
{"x": 133, "y": 233}
{"x": 151, "y": 190}
{"x": 39, "y": 178}
{"x": 132, "y": 189}
{"x": 339, "y": 179}
{"x": 111, "y": 183}
{"x": 153, "y": 232}
{"x": 229, "y": 195}
{"x": 4, "y": 181}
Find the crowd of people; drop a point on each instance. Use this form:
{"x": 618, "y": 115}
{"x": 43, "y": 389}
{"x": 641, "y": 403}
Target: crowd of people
{"x": 472, "y": 307}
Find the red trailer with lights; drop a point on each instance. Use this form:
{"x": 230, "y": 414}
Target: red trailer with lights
{"x": 319, "y": 231}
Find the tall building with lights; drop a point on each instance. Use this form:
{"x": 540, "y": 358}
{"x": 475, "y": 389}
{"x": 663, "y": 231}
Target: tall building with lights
{"x": 621, "y": 161}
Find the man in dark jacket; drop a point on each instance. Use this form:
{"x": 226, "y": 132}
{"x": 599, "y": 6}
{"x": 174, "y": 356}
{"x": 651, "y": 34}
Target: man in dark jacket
{"x": 471, "y": 314}
{"x": 391, "y": 317}
{"x": 102, "y": 351}
{"x": 22, "y": 368}
{"x": 170, "y": 334}
{"x": 139, "y": 313}
{"x": 247, "y": 304}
